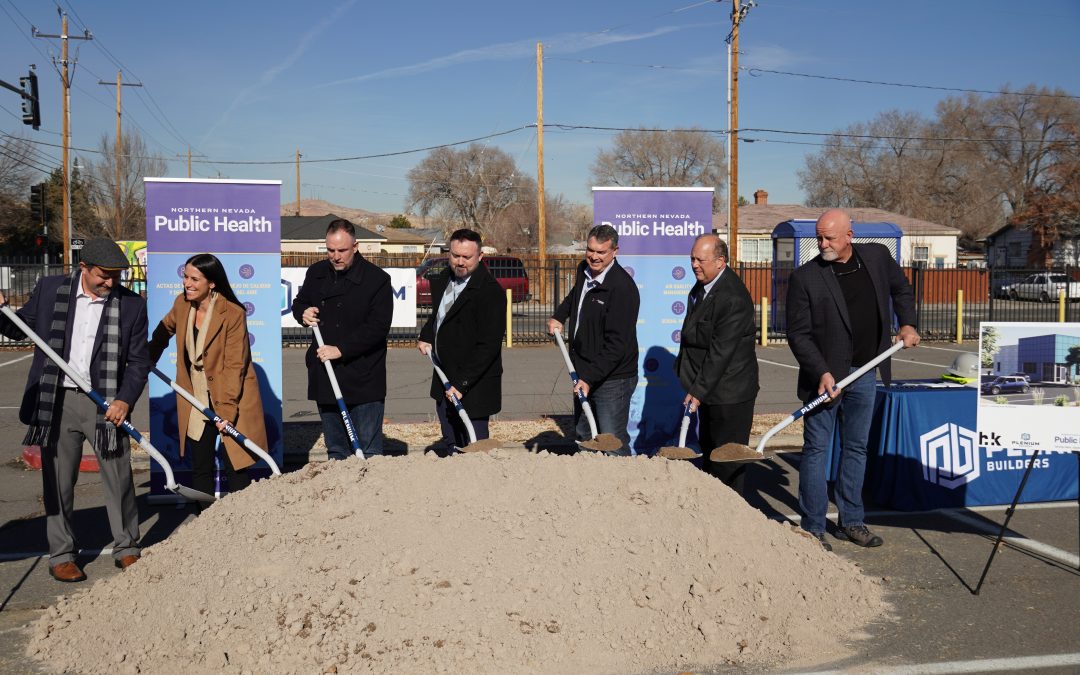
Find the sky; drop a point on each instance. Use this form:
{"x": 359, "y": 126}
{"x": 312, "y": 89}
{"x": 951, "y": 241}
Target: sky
{"x": 336, "y": 79}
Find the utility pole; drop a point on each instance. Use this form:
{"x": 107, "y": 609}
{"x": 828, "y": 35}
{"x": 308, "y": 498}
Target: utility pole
{"x": 298, "y": 156}
{"x": 540, "y": 216}
{"x": 737, "y": 15}
{"x": 65, "y": 82}
{"x": 189, "y": 156}
{"x": 119, "y": 180}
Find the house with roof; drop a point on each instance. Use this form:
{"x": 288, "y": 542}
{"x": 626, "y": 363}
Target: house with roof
{"x": 921, "y": 241}
{"x": 402, "y": 240}
{"x": 307, "y": 234}
{"x": 1021, "y": 245}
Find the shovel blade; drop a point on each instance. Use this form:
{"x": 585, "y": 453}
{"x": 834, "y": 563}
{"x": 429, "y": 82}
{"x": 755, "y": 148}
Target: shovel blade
{"x": 192, "y": 494}
{"x": 674, "y": 452}
{"x": 602, "y": 443}
{"x": 483, "y": 445}
{"x": 735, "y": 452}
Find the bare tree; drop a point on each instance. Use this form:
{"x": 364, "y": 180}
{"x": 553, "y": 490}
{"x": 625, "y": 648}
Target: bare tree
{"x": 651, "y": 158}
{"x": 121, "y": 208}
{"x": 473, "y": 186}
{"x": 16, "y": 172}
{"x": 979, "y": 160}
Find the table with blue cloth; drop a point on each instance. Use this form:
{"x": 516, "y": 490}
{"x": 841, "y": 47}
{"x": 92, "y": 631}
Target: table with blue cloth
{"x": 924, "y": 453}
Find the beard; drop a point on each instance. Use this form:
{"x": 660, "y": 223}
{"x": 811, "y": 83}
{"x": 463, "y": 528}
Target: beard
{"x": 829, "y": 255}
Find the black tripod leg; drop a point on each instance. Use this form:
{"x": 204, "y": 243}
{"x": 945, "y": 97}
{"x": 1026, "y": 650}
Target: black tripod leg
{"x": 1008, "y": 517}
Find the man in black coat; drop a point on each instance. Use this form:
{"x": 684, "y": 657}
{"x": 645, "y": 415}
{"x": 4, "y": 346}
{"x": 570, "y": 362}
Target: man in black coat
{"x": 99, "y": 328}
{"x": 351, "y": 301}
{"x": 601, "y": 314}
{"x": 839, "y": 317}
{"x": 717, "y": 365}
{"x": 466, "y": 330}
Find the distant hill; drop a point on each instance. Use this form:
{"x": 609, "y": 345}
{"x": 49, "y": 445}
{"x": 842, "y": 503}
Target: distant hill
{"x": 320, "y": 207}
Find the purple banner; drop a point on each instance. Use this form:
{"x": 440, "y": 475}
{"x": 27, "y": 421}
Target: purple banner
{"x": 220, "y": 216}
{"x": 654, "y": 221}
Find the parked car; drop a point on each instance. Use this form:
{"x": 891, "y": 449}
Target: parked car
{"x": 1005, "y": 383}
{"x": 507, "y": 270}
{"x": 1044, "y": 287}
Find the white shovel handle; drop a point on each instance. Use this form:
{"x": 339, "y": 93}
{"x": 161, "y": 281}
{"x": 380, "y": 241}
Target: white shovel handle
{"x": 457, "y": 402}
{"x": 170, "y": 480}
{"x": 354, "y": 440}
{"x": 868, "y": 366}
{"x": 213, "y": 417}
{"x": 574, "y": 378}
{"x": 685, "y": 427}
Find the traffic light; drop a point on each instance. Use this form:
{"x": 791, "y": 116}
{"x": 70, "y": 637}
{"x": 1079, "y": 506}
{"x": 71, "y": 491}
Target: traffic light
{"x": 39, "y": 243}
{"x": 31, "y": 108}
{"x": 37, "y": 202}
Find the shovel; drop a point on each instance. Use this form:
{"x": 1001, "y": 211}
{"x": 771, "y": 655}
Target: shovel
{"x": 354, "y": 440}
{"x": 229, "y": 428}
{"x": 680, "y": 452}
{"x": 170, "y": 480}
{"x": 599, "y": 442}
{"x": 737, "y": 452}
{"x": 485, "y": 445}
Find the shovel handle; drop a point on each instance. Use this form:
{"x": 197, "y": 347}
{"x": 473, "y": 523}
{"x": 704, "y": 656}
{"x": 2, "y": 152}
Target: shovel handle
{"x": 354, "y": 440}
{"x": 574, "y": 378}
{"x": 685, "y": 426}
{"x": 170, "y": 479}
{"x": 453, "y": 398}
{"x": 824, "y": 396}
{"x": 230, "y": 430}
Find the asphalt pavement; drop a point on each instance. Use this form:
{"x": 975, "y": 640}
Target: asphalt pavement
{"x": 1026, "y": 619}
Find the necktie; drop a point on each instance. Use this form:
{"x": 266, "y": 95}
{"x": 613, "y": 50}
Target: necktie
{"x": 448, "y": 298}
{"x": 696, "y": 296}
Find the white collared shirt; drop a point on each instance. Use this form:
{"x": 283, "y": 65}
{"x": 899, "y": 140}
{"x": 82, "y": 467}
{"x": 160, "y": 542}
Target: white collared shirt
{"x": 709, "y": 286}
{"x": 591, "y": 282}
{"x": 84, "y": 328}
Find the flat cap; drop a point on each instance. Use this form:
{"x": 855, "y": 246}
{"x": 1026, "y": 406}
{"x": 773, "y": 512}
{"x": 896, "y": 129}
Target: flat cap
{"x": 104, "y": 253}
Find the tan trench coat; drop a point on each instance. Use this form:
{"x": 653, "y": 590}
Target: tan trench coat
{"x": 230, "y": 376}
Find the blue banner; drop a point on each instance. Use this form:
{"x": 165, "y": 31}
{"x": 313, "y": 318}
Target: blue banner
{"x": 926, "y": 454}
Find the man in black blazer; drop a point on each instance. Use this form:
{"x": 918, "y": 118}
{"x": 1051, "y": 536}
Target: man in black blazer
{"x": 99, "y": 328}
{"x": 839, "y": 317}
{"x": 601, "y": 314}
{"x": 351, "y": 301}
{"x": 466, "y": 329}
{"x": 717, "y": 365}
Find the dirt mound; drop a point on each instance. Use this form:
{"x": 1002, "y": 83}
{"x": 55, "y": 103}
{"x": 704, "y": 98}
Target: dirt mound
{"x": 505, "y": 562}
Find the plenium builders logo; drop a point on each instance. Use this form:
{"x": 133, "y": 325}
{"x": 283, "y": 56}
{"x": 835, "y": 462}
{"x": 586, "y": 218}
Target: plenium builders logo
{"x": 950, "y": 455}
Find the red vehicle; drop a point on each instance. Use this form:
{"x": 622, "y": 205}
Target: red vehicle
{"x": 508, "y": 271}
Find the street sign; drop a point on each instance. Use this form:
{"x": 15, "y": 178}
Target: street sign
{"x": 77, "y": 244}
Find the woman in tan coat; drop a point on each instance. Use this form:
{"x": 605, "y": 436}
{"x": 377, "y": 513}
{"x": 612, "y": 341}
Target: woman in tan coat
{"x": 213, "y": 362}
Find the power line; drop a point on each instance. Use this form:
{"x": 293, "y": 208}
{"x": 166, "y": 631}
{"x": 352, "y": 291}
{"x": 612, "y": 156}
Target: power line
{"x": 756, "y": 71}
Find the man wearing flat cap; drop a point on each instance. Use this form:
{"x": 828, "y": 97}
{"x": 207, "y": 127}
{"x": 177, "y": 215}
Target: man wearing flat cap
{"x": 99, "y": 328}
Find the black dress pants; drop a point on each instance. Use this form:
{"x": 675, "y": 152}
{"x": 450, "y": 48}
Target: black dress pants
{"x": 725, "y": 423}
{"x": 202, "y": 463}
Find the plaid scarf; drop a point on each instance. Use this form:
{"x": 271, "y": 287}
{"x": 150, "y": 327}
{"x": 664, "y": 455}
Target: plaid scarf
{"x": 108, "y": 439}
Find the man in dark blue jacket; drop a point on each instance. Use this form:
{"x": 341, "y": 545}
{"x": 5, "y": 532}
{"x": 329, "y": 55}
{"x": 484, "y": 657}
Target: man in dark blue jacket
{"x": 839, "y": 317}
{"x": 351, "y": 301}
{"x": 99, "y": 328}
{"x": 601, "y": 314}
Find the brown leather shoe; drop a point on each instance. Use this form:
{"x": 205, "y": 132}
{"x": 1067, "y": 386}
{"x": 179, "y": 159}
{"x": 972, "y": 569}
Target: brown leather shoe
{"x": 126, "y": 561}
{"x": 67, "y": 572}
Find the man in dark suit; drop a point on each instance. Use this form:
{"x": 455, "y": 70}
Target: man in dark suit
{"x": 99, "y": 328}
{"x": 601, "y": 314}
{"x": 839, "y": 318}
{"x": 466, "y": 331}
{"x": 351, "y": 301}
{"x": 716, "y": 364}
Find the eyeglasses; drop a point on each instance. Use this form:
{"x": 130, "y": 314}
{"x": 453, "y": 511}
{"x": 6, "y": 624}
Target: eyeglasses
{"x": 858, "y": 266}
